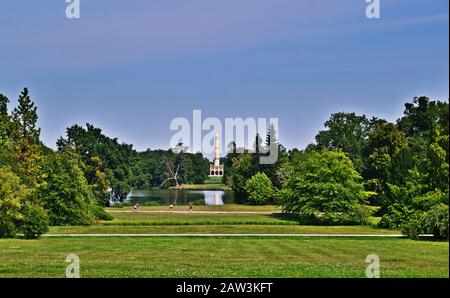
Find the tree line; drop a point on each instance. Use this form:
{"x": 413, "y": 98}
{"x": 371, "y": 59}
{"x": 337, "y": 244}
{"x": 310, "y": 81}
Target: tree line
{"x": 358, "y": 167}
{"x": 71, "y": 185}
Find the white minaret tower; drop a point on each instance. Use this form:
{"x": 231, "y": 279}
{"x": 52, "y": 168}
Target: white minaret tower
{"x": 216, "y": 169}
{"x": 217, "y": 151}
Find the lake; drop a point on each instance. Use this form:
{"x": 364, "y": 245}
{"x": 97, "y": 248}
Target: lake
{"x": 180, "y": 197}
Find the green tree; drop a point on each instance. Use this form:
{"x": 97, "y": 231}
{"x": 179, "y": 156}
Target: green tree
{"x": 34, "y": 220}
{"x": 350, "y": 133}
{"x": 242, "y": 168}
{"x": 12, "y": 194}
{"x": 260, "y": 189}
{"x": 324, "y": 186}
{"x": 66, "y": 194}
{"x": 4, "y": 117}
{"x": 106, "y": 159}
{"x": 6, "y": 146}
{"x": 389, "y": 161}
{"x": 435, "y": 221}
{"x": 25, "y": 136}
{"x": 418, "y": 183}
{"x": 422, "y": 116}
{"x": 271, "y": 135}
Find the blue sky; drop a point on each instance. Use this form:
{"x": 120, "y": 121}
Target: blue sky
{"x": 130, "y": 67}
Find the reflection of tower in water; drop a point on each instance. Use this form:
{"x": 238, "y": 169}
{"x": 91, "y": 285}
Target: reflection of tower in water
{"x": 216, "y": 169}
{"x": 213, "y": 197}
{"x": 217, "y": 200}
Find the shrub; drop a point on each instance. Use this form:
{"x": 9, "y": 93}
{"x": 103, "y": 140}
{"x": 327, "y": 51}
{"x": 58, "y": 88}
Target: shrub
{"x": 12, "y": 193}
{"x": 34, "y": 221}
{"x": 363, "y": 213}
{"x": 260, "y": 190}
{"x": 101, "y": 214}
{"x": 414, "y": 226}
{"x": 324, "y": 185}
{"x": 436, "y": 222}
{"x": 396, "y": 217}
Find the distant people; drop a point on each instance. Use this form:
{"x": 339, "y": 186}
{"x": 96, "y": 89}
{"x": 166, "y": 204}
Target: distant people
{"x": 190, "y": 206}
{"x": 136, "y": 206}
{"x": 171, "y": 207}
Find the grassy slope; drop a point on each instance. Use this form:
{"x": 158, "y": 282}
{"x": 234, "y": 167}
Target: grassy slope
{"x": 222, "y": 257}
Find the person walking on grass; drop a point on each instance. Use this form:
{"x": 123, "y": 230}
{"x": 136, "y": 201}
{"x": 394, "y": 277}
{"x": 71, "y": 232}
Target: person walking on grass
{"x": 136, "y": 206}
{"x": 190, "y": 206}
{"x": 171, "y": 207}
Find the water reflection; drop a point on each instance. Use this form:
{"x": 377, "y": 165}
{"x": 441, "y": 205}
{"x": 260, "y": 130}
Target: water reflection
{"x": 213, "y": 198}
{"x": 181, "y": 197}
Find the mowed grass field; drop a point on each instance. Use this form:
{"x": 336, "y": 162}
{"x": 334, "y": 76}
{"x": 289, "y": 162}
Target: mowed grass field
{"x": 222, "y": 257}
{"x": 285, "y": 256}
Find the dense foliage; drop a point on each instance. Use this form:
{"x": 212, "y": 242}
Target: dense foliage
{"x": 70, "y": 186}
{"x": 66, "y": 194}
{"x": 38, "y": 186}
{"x": 260, "y": 190}
{"x": 355, "y": 166}
{"x": 324, "y": 186}
{"x": 404, "y": 168}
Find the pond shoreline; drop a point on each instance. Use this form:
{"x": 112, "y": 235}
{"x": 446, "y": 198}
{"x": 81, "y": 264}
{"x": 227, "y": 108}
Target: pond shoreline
{"x": 180, "y": 196}
{"x": 211, "y": 187}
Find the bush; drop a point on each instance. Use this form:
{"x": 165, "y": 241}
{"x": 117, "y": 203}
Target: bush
{"x": 34, "y": 221}
{"x": 397, "y": 216}
{"x": 101, "y": 214}
{"x": 12, "y": 194}
{"x": 414, "y": 226}
{"x": 324, "y": 185}
{"x": 260, "y": 190}
{"x": 436, "y": 222}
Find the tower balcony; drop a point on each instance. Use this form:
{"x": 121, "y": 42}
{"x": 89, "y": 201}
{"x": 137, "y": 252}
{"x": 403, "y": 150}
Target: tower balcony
{"x": 216, "y": 171}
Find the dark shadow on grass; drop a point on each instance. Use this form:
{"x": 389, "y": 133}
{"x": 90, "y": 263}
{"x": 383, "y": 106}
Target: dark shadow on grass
{"x": 430, "y": 239}
{"x": 310, "y": 221}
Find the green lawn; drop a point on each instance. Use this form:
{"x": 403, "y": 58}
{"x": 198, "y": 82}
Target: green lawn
{"x": 220, "y": 229}
{"x": 219, "y": 256}
{"x": 222, "y": 257}
{"x": 168, "y": 218}
{"x": 213, "y": 180}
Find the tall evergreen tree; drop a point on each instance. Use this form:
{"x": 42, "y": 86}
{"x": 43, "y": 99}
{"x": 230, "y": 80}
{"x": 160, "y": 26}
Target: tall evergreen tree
{"x": 25, "y": 135}
{"x": 271, "y": 136}
{"x": 25, "y": 117}
{"x": 4, "y": 118}
{"x": 3, "y": 106}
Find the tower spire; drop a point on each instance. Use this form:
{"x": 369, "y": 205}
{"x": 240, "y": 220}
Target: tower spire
{"x": 216, "y": 169}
